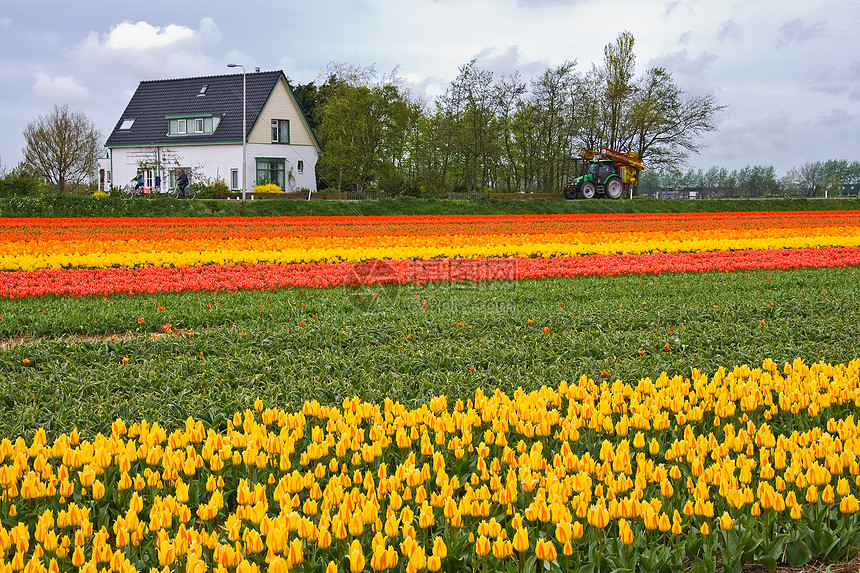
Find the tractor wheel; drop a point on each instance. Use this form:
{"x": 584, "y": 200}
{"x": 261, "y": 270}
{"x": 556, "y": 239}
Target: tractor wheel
{"x": 614, "y": 188}
{"x": 569, "y": 192}
{"x": 587, "y": 190}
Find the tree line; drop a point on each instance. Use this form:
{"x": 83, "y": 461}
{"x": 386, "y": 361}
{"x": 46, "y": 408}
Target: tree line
{"x": 831, "y": 178}
{"x": 503, "y": 134}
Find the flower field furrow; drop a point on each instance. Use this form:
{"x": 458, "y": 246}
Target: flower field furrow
{"x": 143, "y": 242}
{"x": 257, "y": 227}
{"x": 623, "y": 243}
{"x": 216, "y": 277}
{"x": 28, "y": 244}
{"x": 410, "y": 250}
{"x": 640, "y": 473}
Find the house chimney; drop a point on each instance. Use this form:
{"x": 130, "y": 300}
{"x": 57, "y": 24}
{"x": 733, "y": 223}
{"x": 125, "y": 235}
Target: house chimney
{"x": 256, "y": 69}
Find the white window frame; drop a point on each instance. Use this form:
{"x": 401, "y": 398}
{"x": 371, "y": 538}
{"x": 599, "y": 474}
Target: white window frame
{"x": 205, "y": 125}
{"x": 300, "y": 166}
{"x": 234, "y": 180}
{"x": 276, "y": 130}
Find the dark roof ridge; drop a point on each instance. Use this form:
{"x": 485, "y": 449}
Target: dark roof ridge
{"x": 279, "y": 72}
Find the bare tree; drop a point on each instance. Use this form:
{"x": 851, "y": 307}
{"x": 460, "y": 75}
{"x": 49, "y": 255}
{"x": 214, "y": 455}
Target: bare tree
{"x": 809, "y": 177}
{"x": 664, "y": 124}
{"x": 63, "y": 146}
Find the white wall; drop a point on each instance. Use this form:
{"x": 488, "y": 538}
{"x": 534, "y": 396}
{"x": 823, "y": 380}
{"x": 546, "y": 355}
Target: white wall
{"x": 211, "y": 162}
{"x": 292, "y": 154}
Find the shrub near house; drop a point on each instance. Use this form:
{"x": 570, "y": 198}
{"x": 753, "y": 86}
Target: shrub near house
{"x": 267, "y": 188}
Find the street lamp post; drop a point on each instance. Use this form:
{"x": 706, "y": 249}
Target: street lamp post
{"x": 244, "y": 129}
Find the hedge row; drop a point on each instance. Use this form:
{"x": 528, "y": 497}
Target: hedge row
{"x": 87, "y": 206}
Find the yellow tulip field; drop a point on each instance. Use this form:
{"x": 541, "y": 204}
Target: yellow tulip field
{"x": 530, "y": 419}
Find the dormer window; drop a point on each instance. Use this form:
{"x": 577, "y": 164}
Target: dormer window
{"x": 126, "y": 124}
{"x": 191, "y": 125}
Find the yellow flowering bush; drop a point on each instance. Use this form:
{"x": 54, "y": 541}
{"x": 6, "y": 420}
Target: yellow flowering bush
{"x": 267, "y": 188}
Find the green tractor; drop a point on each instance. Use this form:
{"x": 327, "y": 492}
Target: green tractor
{"x": 608, "y": 174}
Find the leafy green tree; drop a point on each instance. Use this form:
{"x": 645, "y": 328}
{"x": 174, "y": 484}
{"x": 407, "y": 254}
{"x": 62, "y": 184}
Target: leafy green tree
{"x": 363, "y": 121}
{"x": 620, "y": 63}
{"x": 307, "y": 96}
{"x": 832, "y": 186}
{"x": 756, "y": 181}
{"x": 470, "y": 109}
{"x": 545, "y": 126}
{"x": 838, "y": 172}
{"x": 429, "y": 151}
{"x": 650, "y": 182}
{"x": 64, "y": 147}
{"x": 715, "y": 178}
{"x": 511, "y": 173}
{"x": 592, "y": 115}
{"x": 818, "y": 178}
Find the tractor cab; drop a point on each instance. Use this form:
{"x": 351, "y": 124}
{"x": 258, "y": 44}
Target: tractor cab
{"x": 607, "y": 173}
{"x": 600, "y": 171}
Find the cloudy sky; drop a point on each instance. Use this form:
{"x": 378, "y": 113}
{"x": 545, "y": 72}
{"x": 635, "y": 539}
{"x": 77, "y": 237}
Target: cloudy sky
{"x": 787, "y": 70}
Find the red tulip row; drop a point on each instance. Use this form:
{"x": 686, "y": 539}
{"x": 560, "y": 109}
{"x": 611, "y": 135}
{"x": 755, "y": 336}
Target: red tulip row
{"x": 153, "y": 279}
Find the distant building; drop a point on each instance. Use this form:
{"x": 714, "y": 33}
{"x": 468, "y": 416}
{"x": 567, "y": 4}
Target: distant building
{"x": 851, "y": 189}
{"x": 196, "y": 124}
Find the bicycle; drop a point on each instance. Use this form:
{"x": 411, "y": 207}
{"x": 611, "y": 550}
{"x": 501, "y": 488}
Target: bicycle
{"x": 128, "y": 191}
{"x": 175, "y": 194}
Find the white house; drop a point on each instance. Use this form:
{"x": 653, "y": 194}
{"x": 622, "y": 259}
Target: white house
{"x": 196, "y": 124}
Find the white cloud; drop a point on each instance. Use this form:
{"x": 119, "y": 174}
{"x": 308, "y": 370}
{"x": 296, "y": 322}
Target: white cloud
{"x": 209, "y": 32}
{"x": 5, "y": 24}
{"x": 146, "y": 51}
{"x": 59, "y": 89}
{"x": 143, "y": 36}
